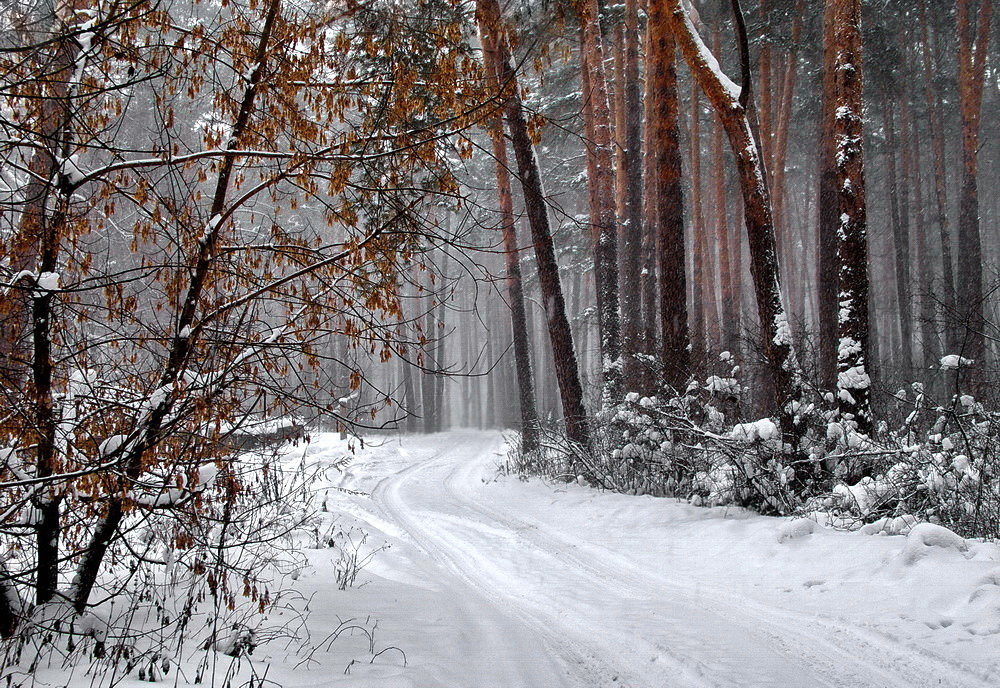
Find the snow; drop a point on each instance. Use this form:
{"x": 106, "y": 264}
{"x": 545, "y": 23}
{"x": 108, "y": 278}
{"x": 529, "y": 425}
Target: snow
{"x": 499, "y": 582}
{"x": 477, "y": 580}
{"x": 924, "y": 537}
{"x": 797, "y": 529}
{"x": 953, "y": 361}
{"x": 764, "y": 430}
{"x": 722, "y": 385}
{"x": 782, "y": 332}
{"x": 71, "y": 169}
{"x": 48, "y": 281}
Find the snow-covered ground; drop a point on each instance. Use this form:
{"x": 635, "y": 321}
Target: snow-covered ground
{"x": 491, "y": 581}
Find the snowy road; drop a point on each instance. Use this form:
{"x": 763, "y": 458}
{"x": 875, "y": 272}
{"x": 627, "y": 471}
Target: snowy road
{"x": 609, "y": 618}
{"x": 497, "y": 582}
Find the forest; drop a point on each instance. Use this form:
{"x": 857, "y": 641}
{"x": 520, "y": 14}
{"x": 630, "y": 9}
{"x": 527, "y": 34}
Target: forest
{"x": 579, "y": 343}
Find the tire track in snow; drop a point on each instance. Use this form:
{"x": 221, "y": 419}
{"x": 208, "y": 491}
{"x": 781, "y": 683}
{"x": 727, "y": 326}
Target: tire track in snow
{"x": 850, "y": 655}
{"x": 578, "y": 666}
{"x": 648, "y": 640}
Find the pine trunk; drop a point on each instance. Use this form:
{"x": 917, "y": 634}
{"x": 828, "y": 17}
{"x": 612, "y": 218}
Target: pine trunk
{"x": 674, "y": 353}
{"x": 853, "y": 359}
{"x": 725, "y": 98}
{"x": 563, "y": 353}
{"x": 973, "y": 42}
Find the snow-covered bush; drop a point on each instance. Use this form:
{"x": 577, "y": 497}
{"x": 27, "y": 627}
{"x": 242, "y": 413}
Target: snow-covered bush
{"x": 189, "y": 579}
{"x": 941, "y": 465}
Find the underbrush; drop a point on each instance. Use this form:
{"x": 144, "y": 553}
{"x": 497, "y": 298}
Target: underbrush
{"x": 940, "y": 464}
{"x": 189, "y": 597}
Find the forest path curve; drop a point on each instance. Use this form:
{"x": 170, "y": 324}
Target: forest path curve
{"x": 610, "y": 618}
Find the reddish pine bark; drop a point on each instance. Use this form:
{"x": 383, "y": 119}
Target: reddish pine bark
{"x": 725, "y": 98}
{"x": 973, "y": 43}
{"x": 853, "y": 361}
{"x": 560, "y": 336}
{"x": 674, "y": 353}
{"x": 601, "y": 185}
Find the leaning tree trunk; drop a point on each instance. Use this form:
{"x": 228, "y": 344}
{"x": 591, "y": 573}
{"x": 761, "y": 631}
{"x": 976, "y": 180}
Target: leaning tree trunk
{"x": 515, "y": 286}
{"x": 973, "y": 43}
{"x": 853, "y": 361}
{"x": 560, "y": 335}
{"x": 674, "y": 351}
{"x": 730, "y": 103}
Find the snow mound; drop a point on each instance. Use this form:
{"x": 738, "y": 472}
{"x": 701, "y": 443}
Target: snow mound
{"x": 797, "y": 529}
{"x": 984, "y": 603}
{"x": 991, "y": 578}
{"x": 763, "y": 429}
{"x": 890, "y": 525}
{"x": 953, "y": 361}
{"x": 924, "y": 537}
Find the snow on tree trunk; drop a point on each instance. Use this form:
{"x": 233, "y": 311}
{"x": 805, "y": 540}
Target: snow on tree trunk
{"x": 853, "y": 374}
{"x": 724, "y": 96}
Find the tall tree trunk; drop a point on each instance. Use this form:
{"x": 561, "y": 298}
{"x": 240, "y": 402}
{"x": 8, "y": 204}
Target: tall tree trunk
{"x": 940, "y": 177}
{"x": 828, "y": 221}
{"x": 973, "y": 44}
{"x": 729, "y": 246}
{"x": 674, "y": 353}
{"x": 912, "y": 179}
{"x": 650, "y": 210}
{"x": 632, "y": 181}
{"x": 730, "y": 103}
{"x": 563, "y": 353}
{"x": 901, "y": 242}
{"x": 601, "y": 185}
{"x": 699, "y": 280}
{"x": 515, "y": 286}
{"x": 853, "y": 360}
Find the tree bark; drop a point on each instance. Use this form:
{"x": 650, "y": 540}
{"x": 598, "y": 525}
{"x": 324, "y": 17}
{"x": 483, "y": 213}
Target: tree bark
{"x": 725, "y": 98}
{"x": 632, "y": 181}
{"x": 853, "y": 359}
{"x": 940, "y": 179}
{"x": 826, "y": 244}
{"x": 973, "y": 44}
{"x": 699, "y": 280}
{"x": 901, "y": 242}
{"x": 601, "y": 185}
{"x": 674, "y": 351}
{"x": 515, "y": 285}
{"x": 560, "y": 336}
